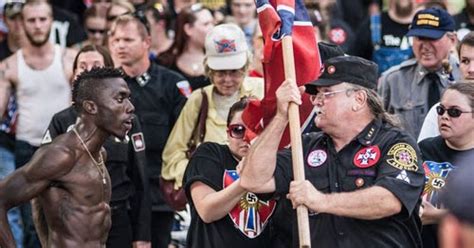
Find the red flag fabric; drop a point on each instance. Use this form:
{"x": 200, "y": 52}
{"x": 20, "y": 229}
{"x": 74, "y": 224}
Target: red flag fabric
{"x": 277, "y": 19}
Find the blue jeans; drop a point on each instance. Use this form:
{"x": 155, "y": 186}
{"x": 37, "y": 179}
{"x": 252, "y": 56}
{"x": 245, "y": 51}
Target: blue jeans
{"x": 23, "y": 154}
{"x": 7, "y": 166}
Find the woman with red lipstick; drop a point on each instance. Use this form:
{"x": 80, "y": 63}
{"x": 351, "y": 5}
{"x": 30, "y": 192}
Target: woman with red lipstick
{"x": 222, "y": 212}
{"x": 453, "y": 149}
{"x": 466, "y": 66}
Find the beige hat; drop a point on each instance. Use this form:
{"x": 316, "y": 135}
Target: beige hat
{"x": 226, "y": 47}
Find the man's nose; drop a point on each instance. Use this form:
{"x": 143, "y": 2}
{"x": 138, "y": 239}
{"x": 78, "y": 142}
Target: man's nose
{"x": 130, "y": 108}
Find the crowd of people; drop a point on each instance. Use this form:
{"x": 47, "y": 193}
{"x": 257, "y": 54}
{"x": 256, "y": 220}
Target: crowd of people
{"x": 114, "y": 113}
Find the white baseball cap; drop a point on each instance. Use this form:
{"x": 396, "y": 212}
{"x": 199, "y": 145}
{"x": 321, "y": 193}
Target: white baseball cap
{"x": 226, "y": 47}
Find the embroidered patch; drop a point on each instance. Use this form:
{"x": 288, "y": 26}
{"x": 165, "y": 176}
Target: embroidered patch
{"x": 317, "y": 158}
{"x": 46, "y": 138}
{"x": 337, "y": 36}
{"x": 367, "y": 157}
{"x": 138, "y": 142}
{"x": 435, "y": 179}
{"x": 403, "y": 176}
{"x": 403, "y": 157}
{"x": 250, "y": 215}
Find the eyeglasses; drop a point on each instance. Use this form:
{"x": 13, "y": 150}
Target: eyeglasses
{"x": 95, "y": 31}
{"x": 323, "y": 95}
{"x": 236, "y": 131}
{"x": 452, "y": 112}
{"x": 231, "y": 73}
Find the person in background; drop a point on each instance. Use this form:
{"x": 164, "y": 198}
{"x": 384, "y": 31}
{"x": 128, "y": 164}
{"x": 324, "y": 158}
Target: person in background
{"x": 410, "y": 89}
{"x": 465, "y": 19}
{"x": 159, "y": 19}
{"x": 329, "y": 25}
{"x": 444, "y": 153}
{"x": 382, "y": 36}
{"x": 95, "y": 26}
{"x": 220, "y": 207}
{"x": 102, "y": 5}
{"x": 118, "y": 8}
{"x": 466, "y": 66}
{"x": 126, "y": 163}
{"x": 457, "y": 227}
{"x": 186, "y": 55}
{"x": 158, "y": 101}
{"x": 243, "y": 13}
{"x": 227, "y": 62}
{"x": 14, "y": 40}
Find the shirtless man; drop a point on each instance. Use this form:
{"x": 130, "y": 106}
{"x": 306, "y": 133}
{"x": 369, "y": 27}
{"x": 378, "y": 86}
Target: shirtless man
{"x": 68, "y": 177}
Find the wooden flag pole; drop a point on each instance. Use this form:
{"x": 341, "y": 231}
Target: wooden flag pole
{"x": 296, "y": 146}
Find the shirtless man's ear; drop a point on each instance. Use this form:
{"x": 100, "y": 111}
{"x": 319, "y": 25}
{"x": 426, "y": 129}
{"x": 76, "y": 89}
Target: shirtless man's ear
{"x": 90, "y": 107}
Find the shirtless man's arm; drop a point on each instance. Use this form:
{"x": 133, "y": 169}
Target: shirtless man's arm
{"x": 48, "y": 164}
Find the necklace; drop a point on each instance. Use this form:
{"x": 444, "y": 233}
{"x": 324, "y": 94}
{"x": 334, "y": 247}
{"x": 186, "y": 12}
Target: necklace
{"x": 99, "y": 165}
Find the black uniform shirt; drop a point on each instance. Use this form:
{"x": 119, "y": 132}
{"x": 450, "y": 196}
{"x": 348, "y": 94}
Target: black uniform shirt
{"x": 157, "y": 102}
{"x": 380, "y": 155}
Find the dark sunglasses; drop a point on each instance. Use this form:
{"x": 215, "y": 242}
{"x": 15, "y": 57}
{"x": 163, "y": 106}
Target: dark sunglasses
{"x": 94, "y": 31}
{"x": 452, "y": 112}
{"x": 236, "y": 131}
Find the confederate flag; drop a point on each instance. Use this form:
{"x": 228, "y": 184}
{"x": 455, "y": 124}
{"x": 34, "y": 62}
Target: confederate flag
{"x": 279, "y": 18}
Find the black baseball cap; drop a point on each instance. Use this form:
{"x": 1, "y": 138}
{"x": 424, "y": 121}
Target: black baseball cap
{"x": 431, "y": 23}
{"x": 13, "y": 8}
{"x": 349, "y": 69}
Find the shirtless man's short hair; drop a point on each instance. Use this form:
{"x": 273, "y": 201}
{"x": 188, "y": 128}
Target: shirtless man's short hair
{"x": 68, "y": 176}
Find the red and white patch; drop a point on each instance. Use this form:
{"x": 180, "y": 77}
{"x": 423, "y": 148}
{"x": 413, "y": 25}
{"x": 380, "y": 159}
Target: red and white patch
{"x": 317, "y": 158}
{"x": 367, "y": 157}
{"x": 138, "y": 142}
{"x": 337, "y": 35}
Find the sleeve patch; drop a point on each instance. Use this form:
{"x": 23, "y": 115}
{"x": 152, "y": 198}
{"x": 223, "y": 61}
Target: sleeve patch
{"x": 403, "y": 157}
{"x": 138, "y": 142}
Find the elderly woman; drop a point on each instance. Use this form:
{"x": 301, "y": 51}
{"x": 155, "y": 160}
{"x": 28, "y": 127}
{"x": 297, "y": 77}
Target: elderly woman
{"x": 226, "y": 64}
{"x": 453, "y": 149}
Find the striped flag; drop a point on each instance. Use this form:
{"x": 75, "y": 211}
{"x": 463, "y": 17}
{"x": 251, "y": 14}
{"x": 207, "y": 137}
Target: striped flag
{"x": 280, "y": 18}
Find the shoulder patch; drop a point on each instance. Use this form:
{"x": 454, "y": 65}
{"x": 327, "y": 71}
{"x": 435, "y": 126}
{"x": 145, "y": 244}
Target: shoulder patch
{"x": 403, "y": 157}
{"x": 138, "y": 142}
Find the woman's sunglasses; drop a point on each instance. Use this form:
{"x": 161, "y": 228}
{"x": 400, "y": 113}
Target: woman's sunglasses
{"x": 452, "y": 112}
{"x": 236, "y": 131}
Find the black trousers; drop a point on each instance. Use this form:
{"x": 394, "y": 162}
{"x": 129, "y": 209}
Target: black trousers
{"x": 120, "y": 234}
{"x": 161, "y": 224}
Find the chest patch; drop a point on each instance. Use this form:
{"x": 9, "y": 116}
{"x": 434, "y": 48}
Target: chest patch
{"x": 367, "y": 157}
{"x": 250, "y": 216}
{"x": 403, "y": 157}
{"x": 435, "y": 179}
{"x": 317, "y": 158}
{"x": 138, "y": 142}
